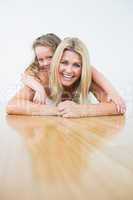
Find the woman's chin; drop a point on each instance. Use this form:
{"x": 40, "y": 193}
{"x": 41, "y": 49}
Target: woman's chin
{"x": 67, "y": 83}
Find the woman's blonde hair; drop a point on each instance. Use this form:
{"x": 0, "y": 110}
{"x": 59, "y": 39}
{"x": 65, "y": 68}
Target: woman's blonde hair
{"x": 48, "y": 40}
{"x": 76, "y": 45}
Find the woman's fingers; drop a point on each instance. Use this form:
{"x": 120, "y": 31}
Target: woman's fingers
{"x": 61, "y": 106}
{"x": 61, "y": 112}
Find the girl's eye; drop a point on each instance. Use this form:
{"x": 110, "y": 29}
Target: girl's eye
{"x": 40, "y": 60}
{"x": 49, "y": 58}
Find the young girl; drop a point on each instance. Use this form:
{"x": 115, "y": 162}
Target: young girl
{"x": 36, "y": 76}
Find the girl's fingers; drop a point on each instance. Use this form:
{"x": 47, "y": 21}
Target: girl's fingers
{"x": 38, "y": 99}
{"x": 108, "y": 99}
{"x": 119, "y": 102}
{"x": 35, "y": 100}
{"x": 123, "y": 109}
{"x": 118, "y": 108}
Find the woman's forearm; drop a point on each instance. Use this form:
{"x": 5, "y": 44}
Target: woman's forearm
{"x": 25, "y": 107}
{"x": 100, "y": 109}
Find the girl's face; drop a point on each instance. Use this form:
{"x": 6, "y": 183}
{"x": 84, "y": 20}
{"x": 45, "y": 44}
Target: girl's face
{"x": 44, "y": 56}
{"x": 70, "y": 68}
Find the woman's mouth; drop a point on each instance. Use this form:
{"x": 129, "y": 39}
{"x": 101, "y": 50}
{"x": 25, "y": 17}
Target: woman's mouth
{"x": 67, "y": 76}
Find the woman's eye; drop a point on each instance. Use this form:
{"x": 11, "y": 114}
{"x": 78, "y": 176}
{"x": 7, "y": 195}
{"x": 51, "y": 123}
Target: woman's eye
{"x": 77, "y": 65}
{"x": 64, "y": 62}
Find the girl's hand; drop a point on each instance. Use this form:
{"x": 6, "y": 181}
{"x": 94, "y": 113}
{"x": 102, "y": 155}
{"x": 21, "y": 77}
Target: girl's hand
{"x": 70, "y": 109}
{"x": 119, "y": 102}
{"x": 39, "y": 97}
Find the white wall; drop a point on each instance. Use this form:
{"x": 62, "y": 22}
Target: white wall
{"x": 106, "y": 26}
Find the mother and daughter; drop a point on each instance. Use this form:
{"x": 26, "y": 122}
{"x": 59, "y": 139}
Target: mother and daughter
{"x": 59, "y": 80}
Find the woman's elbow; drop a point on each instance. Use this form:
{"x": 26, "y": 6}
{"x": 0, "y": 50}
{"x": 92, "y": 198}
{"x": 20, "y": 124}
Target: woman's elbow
{"x": 11, "y": 108}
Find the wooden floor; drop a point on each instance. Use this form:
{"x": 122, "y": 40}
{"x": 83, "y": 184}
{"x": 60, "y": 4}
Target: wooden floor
{"x": 51, "y": 158}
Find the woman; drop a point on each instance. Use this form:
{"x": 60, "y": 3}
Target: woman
{"x": 36, "y": 76}
{"x": 23, "y": 103}
{"x": 71, "y": 74}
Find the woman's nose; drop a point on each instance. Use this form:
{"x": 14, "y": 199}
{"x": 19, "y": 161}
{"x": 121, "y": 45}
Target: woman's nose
{"x": 68, "y": 68}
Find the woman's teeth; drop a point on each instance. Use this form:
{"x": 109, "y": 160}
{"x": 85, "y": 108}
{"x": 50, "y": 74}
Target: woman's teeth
{"x": 67, "y": 76}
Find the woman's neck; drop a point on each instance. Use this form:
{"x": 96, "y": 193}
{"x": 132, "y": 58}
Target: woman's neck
{"x": 71, "y": 89}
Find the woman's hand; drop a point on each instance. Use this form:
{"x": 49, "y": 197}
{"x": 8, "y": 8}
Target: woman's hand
{"x": 70, "y": 109}
{"x": 119, "y": 102}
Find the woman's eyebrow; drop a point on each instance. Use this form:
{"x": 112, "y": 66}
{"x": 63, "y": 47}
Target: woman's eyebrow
{"x": 64, "y": 59}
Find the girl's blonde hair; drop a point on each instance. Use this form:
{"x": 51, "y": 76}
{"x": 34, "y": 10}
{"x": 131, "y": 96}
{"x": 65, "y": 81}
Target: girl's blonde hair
{"x": 77, "y": 46}
{"x": 48, "y": 40}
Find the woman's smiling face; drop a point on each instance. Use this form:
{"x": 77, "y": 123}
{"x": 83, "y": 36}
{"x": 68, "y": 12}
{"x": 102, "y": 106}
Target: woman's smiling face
{"x": 70, "y": 68}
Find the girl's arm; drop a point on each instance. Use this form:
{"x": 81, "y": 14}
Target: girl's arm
{"x": 32, "y": 82}
{"x": 98, "y": 92}
{"x": 111, "y": 92}
{"x": 35, "y": 84}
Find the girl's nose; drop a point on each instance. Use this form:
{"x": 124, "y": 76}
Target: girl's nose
{"x": 46, "y": 62}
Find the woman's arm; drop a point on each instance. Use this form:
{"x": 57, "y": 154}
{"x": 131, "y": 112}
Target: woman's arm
{"x": 111, "y": 92}
{"x": 70, "y": 109}
{"x": 22, "y": 104}
{"x": 100, "y": 109}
